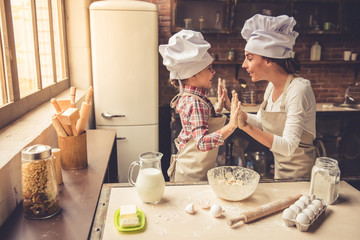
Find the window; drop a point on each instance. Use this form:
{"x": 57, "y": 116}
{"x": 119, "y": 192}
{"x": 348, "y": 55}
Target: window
{"x": 33, "y": 60}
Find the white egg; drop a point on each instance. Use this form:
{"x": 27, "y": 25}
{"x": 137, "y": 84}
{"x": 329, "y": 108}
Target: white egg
{"x": 216, "y": 210}
{"x": 305, "y": 199}
{"x": 312, "y": 197}
{"x": 295, "y": 208}
{"x": 190, "y": 208}
{"x": 318, "y": 204}
{"x": 302, "y": 218}
{"x": 314, "y": 208}
{"x": 300, "y": 204}
{"x": 205, "y": 204}
{"x": 289, "y": 214}
{"x": 310, "y": 213}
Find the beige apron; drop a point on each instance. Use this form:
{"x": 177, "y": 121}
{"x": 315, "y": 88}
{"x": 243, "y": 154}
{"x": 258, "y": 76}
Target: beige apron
{"x": 300, "y": 163}
{"x": 191, "y": 164}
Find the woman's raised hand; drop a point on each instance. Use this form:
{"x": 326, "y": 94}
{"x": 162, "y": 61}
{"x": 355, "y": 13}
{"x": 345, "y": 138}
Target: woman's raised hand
{"x": 241, "y": 116}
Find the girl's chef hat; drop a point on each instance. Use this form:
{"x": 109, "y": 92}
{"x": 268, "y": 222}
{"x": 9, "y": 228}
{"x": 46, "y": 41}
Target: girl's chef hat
{"x": 186, "y": 54}
{"x": 268, "y": 36}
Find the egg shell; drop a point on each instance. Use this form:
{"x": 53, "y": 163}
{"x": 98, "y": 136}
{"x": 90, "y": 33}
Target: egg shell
{"x": 295, "y": 208}
{"x": 305, "y": 199}
{"x": 314, "y": 208}
{"x": 318, "y": 204}
{"x": 289, "y": 214}
{"x": 216, "y": 210}
{"x": 302, "y": 218}
{"x": 204, "y": 204}
{"x": 190, "y": 208}
{"x": 300, "y": 204}
{"x": 310, "y": 213}
{"x": 312, "y": 197}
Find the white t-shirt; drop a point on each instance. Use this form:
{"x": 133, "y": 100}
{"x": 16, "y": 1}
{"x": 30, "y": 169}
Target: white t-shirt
{"x": 300, "y": 106}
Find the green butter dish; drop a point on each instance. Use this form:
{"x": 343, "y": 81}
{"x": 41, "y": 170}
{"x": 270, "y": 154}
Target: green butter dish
{"x": 140, "y": 226}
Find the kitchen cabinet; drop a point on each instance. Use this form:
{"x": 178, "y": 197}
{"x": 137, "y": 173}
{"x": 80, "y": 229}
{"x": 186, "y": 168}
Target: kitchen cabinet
{"x": 79, "y": 196}
{"x": 229, "y": 16}
{"x": 209, "y": 16}
{"x": 245, "y": 9}
{"x": 317, "y": 16}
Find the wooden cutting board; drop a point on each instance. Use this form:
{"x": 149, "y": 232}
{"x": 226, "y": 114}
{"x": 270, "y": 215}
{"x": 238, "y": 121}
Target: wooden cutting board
{"x": 168, "y": 219}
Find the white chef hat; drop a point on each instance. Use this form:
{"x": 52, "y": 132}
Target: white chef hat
{"x": 269, "y": 36}
{"x": 186, "y": 54}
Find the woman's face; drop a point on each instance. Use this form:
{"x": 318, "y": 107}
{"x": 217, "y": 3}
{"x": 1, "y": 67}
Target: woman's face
{"x": 203, "y": 79}
{"x": 256, "y": 66}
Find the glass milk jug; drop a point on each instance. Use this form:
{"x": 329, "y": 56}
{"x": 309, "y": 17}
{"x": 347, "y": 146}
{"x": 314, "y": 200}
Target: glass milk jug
{"x": 150, "y": 183}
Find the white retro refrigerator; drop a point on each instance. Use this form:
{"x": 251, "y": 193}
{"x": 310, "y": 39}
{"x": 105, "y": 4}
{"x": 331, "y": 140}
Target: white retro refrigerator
{"x": 124, "y": 48}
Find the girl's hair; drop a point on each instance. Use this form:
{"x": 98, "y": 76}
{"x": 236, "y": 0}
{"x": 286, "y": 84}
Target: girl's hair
{"x": 290, "y": 65}
{"x": 175, "y": 82}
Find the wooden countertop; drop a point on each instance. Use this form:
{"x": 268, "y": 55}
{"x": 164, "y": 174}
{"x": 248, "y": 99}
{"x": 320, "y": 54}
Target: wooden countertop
{"x": 320, "y": 107}
{"x": 78, "y": 198}
{"x": 168, "y": 220}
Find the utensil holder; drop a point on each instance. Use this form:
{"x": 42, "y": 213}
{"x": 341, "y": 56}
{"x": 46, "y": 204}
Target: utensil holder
{"x": 73, "y": 152}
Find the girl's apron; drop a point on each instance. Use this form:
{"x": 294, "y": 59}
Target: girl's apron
{"x": 191, "y": 164}
{"x": 300, "y": 163}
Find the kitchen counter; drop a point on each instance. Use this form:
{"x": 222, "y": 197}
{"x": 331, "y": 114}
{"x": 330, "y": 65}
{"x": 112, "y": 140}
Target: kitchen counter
{"x": 320, "y": 107}
{"x": 79, "y": 195}
{"x": 168, "y": 220}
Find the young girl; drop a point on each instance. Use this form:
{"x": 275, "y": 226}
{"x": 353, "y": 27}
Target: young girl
{"x": 189, "y": 63}
{"x": 285, "y": 121}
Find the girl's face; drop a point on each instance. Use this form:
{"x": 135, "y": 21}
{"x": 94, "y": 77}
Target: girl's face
{"x": 256, "y": 66}
{"x": 203, "y": 79}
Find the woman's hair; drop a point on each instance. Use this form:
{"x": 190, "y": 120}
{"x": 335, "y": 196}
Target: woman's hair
{"x": 290, "y": 65}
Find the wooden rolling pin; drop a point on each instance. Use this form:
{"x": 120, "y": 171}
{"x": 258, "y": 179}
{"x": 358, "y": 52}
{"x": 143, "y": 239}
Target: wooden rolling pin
{"x": 58, "y": 113}
{"x": 84, "y": 112}
{"x": 58, "y": 127}
{"x": 264, "y": 210}
{"x": 57, "y": 154}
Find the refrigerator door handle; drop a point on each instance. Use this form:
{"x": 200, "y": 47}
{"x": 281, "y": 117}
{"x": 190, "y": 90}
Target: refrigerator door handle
{"x": 110, "y": 116}
{"x": 121, "y": 138}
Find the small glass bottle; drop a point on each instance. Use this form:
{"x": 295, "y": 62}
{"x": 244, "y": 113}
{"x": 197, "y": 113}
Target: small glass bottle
{"x": 39, "y": 186}
{"x": 325, "y": 178}
{"x": 201, "y": 23}
{"x": 231, "y": 55}
{"x": 315, "y": 53}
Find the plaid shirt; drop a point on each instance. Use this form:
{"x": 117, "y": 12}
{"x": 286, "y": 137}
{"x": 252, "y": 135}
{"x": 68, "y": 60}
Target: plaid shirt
{"x": 194, "y": 115}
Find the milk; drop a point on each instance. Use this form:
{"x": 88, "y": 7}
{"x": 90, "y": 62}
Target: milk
{"x": 150, "y": 185}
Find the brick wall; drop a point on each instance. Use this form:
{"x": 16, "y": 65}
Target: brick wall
{"x": 329, "y": 81}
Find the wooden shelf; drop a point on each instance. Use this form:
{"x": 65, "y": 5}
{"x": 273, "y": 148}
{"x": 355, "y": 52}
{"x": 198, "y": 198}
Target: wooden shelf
{"x": 308, "y": 62}
{"x": 305, "y": 62}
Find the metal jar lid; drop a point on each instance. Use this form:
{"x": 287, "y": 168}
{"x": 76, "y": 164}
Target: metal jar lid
{"x": 36, "y": 152}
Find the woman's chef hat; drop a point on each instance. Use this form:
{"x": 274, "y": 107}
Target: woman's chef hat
{"x": 268, "y": 36}
{"x": 186, "y": 54}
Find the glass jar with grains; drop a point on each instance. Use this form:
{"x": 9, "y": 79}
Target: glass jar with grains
{"x": 39, "y": 187}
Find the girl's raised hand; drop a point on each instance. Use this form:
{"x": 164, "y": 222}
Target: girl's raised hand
{"x": 235, "y": 109}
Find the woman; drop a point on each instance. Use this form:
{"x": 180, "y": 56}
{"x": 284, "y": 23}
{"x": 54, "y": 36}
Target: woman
{"x": 285, "y": 121}
{"x": 189, "y": 63}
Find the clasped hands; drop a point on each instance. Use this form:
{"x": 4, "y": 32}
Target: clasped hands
{"x": 237, "y": 116}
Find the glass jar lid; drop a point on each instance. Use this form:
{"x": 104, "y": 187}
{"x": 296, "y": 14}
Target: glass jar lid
{"x": 36, "y": 152}
{"x": 326, "y": 162}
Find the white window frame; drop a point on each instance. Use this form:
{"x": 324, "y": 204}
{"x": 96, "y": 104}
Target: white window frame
{"x": 17, "y": 107}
